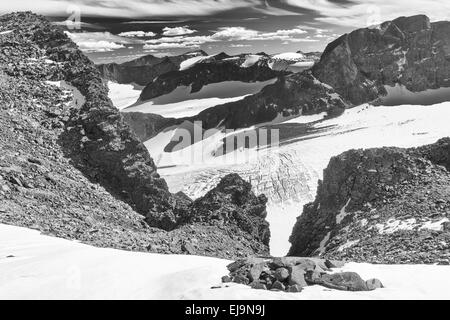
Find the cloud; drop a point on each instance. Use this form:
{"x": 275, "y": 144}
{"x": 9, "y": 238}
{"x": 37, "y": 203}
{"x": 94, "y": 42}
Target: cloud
{"x": 99, "y": 41}
{"x": 137, "y": 34}
{"x": 359, "y": 13}
{"x": 241, "y": 33}
{"x": 177, "y": 31}
{"x": 226, "y": 34}
{"x": 129, "y": 8}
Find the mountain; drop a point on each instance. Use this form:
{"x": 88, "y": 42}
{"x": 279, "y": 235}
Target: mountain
{"x": 355, "y": 68}
{"x": 385, "y": 205}
{"x": 199, "y": 72}
{"x": 72, "y": 167}
{"x": 144, "y": 69}
{"x": 409, "y": 51}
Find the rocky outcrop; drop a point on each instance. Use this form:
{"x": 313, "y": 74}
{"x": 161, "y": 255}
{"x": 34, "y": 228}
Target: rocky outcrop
{"x": 293, "y": 274}
{"x": 143, "y": 70}
{"x": 409, "y": 51}
{"x": 214, "y": 69}
{"x": 72, "y": 167}
{"x": 386, "y": 205}
{"x": 291, "y": 95}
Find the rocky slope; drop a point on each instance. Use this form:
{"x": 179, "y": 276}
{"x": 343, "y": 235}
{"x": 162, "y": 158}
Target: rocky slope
{"x": 212, "y": 69}
{"x": 386, "y": 205}
{"x": 71, "y": 166}
{"x": 143, "y": 70}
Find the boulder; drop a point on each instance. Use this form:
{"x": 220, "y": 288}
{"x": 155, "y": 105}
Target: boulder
{"x": 297, "y": 276}
{"x": 281, "y": 274}
{"x": 348, "y": 281}
{"x": 373, "y": 284}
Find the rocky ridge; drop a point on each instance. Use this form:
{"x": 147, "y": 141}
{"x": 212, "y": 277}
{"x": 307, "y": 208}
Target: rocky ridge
{"x": 71, "y": 167}
{"x": 145, "y": 69}
{"x": 386, "y": 205}
{"x": 212, "y": 69}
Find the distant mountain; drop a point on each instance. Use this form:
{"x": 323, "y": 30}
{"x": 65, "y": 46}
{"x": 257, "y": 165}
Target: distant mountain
{"x": 353, "y": 69}
{"x": 201, "y": 71}
{"x": 144, "y": 69}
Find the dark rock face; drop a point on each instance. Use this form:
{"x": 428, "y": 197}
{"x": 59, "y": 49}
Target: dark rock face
{"x": 383, "y": 205}
{"x": 232, "y": 202}
{"x": 295, "y": 94}
{"x": 73, "y": 168}
{"x": 292, "y": 274}
{"x": 215, "y": 69}
{"x": 409, "y": 51}
{"x": 147, "y": 125}
{"x": 144, "y": 69}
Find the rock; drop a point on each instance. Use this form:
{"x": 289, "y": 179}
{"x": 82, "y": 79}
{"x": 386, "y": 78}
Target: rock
{"x": 330, "y": 264}
{"x": 297, "y": 276}
{"x": 258, "y": 285}
{"x": 281, "y": 274}
{"x": 373, "y": 284}
{"x": 278, "y": 286}
{"x": 188, "y": 248}
{"x": 255, "y": 271}
{"x": 226, "y": 279}
{"x": 295, "y": 288}
{"x": 349, "y": 281}
{"x": 241, "y": 279}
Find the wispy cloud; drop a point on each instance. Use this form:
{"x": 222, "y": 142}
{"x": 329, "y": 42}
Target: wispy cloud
{"x": 226, "y": 34}
{"x": 362, "y": 13}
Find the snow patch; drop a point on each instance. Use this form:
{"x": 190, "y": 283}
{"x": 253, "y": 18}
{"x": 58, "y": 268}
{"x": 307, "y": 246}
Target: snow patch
{"x": 342, "y": 214}
{"x": 250, "y": 60}
{"x": 123, "y": 95}
{"x": 291, "y": 56}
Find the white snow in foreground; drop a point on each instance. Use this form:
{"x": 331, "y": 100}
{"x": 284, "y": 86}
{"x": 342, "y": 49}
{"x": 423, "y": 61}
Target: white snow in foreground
{"x": 365, "y": 126}
{"x": 34, "y": 266}
{"x": 293, "y": 56}
{"x": 123, "y": 95}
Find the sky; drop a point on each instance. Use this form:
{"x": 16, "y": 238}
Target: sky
{"x": 117, "y": 30}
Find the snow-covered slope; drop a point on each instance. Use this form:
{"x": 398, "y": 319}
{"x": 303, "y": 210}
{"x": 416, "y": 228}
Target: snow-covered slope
{"x": 181, "y": 102}
{"x": 34, "y": 266}
{"x": 123, "y": 95}
{"x": 288, "y": 174}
